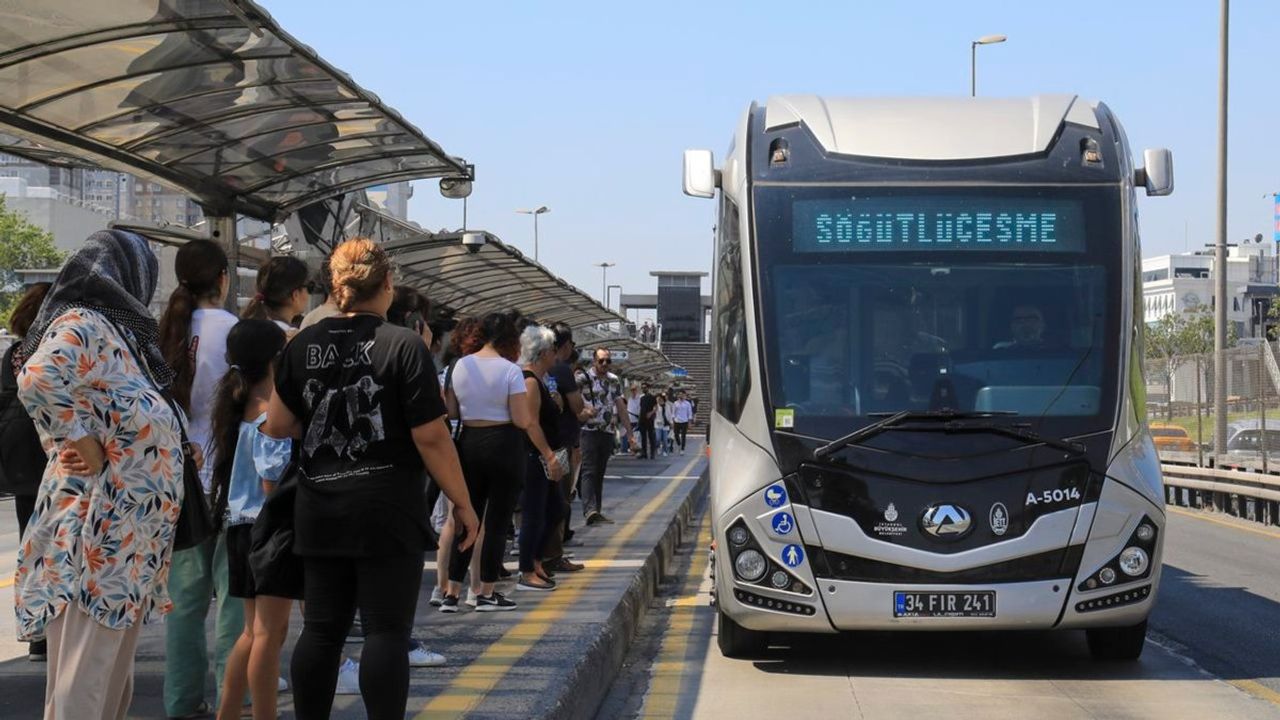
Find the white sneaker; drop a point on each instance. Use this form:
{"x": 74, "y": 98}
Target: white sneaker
{"x": 472, "y": 600}
{"x": 348, "y": 678}
{"x": 282, "y": 686}
{"x": 437, "y": 596}
{"x": 422, "y": 657}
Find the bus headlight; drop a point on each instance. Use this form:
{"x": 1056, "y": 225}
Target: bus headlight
{"x": 1134, "y": 561}
{"x": 1107, "y": 575}
{"x": 738, "y": 535}
{"x": 750, "y": 565}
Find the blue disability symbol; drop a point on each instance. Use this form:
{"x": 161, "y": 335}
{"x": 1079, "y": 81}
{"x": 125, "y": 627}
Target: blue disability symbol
{"x": 792, "y": 555}
{"x": 782, "y": 523}
{"x": 775, "y": 496}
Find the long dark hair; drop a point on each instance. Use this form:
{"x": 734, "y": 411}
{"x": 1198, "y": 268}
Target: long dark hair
{"x": 502, "y": 330}
{"x": 199, "y": 266}
{"x": 278, "y": 280}
{"x": 252, "y": 345}
{"x": 408, "y": 307}
{"x": 25, "y": 312}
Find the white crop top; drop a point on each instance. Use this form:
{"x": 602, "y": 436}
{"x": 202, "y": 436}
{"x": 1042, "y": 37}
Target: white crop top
{"x": 482, "y": 386}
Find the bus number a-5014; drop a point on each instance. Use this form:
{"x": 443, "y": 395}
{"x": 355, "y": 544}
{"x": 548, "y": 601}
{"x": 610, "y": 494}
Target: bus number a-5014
{"x": 1052, "y": 497}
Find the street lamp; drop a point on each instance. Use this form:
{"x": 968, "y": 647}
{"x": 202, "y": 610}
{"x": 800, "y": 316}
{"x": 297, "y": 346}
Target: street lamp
{"x": 973, "y": 59}
{"x": 604, "y": 275}
{"x": 535, "y": 213}
{"x": 1220, "y": 252}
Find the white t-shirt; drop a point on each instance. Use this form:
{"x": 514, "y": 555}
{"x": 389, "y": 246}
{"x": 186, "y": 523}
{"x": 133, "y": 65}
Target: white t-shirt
{"x": 633, "y": 405}
{"x": 483, "y": 386}
{"x": 284, "y": 326}
{"x": 209, "y": 329}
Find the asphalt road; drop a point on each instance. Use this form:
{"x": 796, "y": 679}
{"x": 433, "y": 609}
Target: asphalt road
{"x": 1213, "y": 653}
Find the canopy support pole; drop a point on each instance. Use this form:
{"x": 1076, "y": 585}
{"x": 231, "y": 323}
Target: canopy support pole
{"x": 224, "y": 233}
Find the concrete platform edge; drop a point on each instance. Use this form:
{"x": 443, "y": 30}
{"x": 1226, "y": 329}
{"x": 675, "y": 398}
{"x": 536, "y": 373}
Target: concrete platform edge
{"x": 589, "y": 680}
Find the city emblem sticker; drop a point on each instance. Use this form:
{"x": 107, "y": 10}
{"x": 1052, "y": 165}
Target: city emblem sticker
{"x": 792, "y": 556}
{"x": 999, "y": 519}
{"x": 890, "y": 527}
{"x": 782, "y": 523}
{"x": 775, "y": 496}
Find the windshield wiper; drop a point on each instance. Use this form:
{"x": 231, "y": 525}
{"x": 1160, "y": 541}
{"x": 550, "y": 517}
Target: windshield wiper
{"x": 891, "y": 421}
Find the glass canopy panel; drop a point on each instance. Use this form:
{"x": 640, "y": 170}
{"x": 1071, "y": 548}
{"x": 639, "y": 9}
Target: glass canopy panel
{"x": 213, "y": 98}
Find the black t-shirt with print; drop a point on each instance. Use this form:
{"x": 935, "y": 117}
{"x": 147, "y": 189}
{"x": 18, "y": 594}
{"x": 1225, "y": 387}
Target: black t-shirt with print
{"x": 565, "y": 384}
{"x": 359, "y": 385}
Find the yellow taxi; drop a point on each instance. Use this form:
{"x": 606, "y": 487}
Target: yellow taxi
{"x": 1172, "y": 437}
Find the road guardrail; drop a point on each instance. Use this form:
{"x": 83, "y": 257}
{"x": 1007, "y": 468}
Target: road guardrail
{"x": 1251, "y": 495}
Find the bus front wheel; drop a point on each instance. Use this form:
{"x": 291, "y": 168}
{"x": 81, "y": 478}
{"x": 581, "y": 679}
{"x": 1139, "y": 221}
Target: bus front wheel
{"x": 736, "y": 641}
{"x": 1118, "y": 643}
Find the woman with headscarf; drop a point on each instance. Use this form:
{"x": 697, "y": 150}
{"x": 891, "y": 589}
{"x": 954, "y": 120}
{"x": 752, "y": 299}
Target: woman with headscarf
{"x": 94, "y": 562}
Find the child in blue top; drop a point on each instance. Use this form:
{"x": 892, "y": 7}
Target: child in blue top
{"x": 247, "y": 466}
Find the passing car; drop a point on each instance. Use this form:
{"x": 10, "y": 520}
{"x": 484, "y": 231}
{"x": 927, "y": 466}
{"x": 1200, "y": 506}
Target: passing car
{"x": 1244, "y": 438}
{"x": 1172, "y": 438}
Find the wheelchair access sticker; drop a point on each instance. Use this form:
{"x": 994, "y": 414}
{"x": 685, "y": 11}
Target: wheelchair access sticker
{"x": 782, "y": 523}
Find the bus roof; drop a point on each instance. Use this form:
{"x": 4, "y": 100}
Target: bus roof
{"x": 931, "y": 128}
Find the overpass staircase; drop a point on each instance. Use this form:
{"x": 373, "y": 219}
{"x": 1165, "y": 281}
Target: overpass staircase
{"x": 696, "y": 359}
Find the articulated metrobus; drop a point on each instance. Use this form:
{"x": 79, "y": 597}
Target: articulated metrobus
{"x": 928, "y": 404}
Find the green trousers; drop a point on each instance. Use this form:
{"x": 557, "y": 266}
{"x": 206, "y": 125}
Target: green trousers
{"x": 196, "y": 576}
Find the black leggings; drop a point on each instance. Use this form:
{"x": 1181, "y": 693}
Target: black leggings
{"x": 540, "y": 512}
{"x": 682, "y": 433}
{"x": 493, "y": 461}
{"x": 385, "y": 590}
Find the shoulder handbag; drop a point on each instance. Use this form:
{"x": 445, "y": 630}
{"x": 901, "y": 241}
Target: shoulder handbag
{"x": 195, "y": 521}
{"x": 276, "y": 570}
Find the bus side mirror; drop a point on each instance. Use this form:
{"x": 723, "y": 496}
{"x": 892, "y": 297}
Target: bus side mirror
{"x": 699, "y": 174}
{"x": 1157, "y": 176}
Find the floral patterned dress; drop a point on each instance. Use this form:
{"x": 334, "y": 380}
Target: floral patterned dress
{"x": 103, "y": 542}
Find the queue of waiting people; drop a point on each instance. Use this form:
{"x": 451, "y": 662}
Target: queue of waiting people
{"x": 312, "y": 447}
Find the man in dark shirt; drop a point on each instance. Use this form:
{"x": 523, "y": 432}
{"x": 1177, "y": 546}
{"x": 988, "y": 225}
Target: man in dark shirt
{"x": 648, "y": 435}
{"x": 573, "y": 409}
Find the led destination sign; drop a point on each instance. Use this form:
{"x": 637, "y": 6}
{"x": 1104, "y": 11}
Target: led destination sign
{"x": 922, "y": 223}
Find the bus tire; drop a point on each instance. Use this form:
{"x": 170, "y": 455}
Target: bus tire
{"x": 1117, "y": 643}
{"x": 736, "y": 641}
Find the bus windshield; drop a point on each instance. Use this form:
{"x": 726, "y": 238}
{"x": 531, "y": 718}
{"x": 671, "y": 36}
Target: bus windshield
{"x": 890, "y": 299}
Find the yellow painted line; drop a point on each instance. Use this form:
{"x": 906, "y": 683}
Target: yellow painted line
{"x": 470, "y": 687}
{"x": 669, "y": 670}
{"x": 1258, "y": 690}
{"x": 7, "y": 582}
{"x": 1201, "y": 515}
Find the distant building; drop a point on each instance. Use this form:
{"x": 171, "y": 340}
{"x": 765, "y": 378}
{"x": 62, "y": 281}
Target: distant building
{"x": 1178, "y": 283}
{"x": 393, "y": 198}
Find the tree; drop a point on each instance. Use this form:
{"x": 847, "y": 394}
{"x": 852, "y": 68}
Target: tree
{"x": 1164, "y": 343}
{"x": 1177, "y": 337}
{"x": 23, "y": 246}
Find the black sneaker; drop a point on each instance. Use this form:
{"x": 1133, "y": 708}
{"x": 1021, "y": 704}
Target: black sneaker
{"x": 593, "y": 517}
{"x": 449, "y": 604}
{"x": 38, "y": 651}
{"x": 496, "y": 602}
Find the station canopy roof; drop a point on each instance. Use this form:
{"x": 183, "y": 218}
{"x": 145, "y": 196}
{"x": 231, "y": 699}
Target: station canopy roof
{"x": 497, "y": 277}
{"x": 212, "y": 98}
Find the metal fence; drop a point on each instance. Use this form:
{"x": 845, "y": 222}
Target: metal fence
{"x": 1181, "y": 409}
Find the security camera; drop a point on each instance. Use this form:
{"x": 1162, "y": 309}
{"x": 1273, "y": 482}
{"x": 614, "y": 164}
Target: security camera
{"x": 473, "y": 241}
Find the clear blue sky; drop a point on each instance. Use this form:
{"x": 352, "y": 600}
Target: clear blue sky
{"x": 586, "y": 106}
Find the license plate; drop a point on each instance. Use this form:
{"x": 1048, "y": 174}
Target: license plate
{"x": 944, "y": 604}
